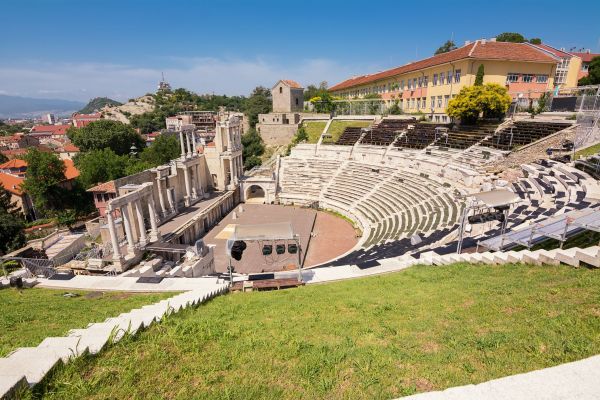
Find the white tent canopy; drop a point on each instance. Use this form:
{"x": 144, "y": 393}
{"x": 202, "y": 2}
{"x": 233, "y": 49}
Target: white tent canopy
{"x": 274, "y": 231}
{"x": 496, "y": 198}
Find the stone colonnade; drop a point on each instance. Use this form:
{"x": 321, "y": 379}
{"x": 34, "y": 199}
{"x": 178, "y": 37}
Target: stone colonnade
{"x": 130, "y": 206}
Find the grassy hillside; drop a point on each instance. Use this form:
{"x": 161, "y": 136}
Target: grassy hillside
{"x": 29, "y": 316}
{"x": 337, "y": 127}
{"x": 422, "y": 329}
{"x": 314, "y": 130}
{"x": 97, "y": 103}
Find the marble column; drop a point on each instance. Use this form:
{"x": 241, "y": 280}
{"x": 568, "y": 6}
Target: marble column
{"x": 113, "y": 236}
{"x": 172, "y": 204}
{"x": 194, "y": 144}
{"x": 154, "y": 233}
{"x": 161, "y": 199}
{"x": 189, "y": 144}
{"x": 127, "y": 225}
{"x": 182, "y": 144}
{"x": 188, "y": 188}
{"x": 140, "y": 217}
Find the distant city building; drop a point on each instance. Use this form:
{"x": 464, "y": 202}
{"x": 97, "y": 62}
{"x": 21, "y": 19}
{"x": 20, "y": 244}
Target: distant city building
{"x": 50, "y": 118}
{"x": 164, "y": 86}
{"x": 45, "y": 132}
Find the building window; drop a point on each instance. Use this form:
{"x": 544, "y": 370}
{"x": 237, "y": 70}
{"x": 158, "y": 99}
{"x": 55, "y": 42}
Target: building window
{"x": 409, "y": 84}
{"x": 527, "y": 78}
{"x": 425, "y": 80}
{"x": 432, "y": 101}
{"x": 445, "y": 117}
{"x": 585, "y": 67}
{"x": 296, "y": 101}
{"x": 402, "y": 84}
{"x": 443, "y": 78}
{"x": 446, "y": 100}
{"x": 542, "y": 78}
{"x": 457, "y": 76}
{"x": 437, "y": 118}
{"x": 412, "y": 103}
{"x": 280, "y": 89}
{"x": 414, "y": 83}
{"x": 439, "y": 103}
{"x": 419, "y": 82}
{"x": 435, "y": 79}
{"x": 424, "y": 102}
{"x": 511, "y": 77}
{"x": 449, "y": 75}
{"x": 560, "y": 77}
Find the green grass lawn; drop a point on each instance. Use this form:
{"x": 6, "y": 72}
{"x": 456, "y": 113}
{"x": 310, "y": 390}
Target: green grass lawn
{"x": 314, "y": 130}
{"x": 337, "y": 128}
{"x": 29, "y": 316}
{"x": 425, "y": 328}
{"x": 588, "y": 151}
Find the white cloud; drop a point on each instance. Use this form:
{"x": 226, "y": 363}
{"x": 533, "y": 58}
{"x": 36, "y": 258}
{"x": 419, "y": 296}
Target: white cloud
{"x": 81, "y": 81}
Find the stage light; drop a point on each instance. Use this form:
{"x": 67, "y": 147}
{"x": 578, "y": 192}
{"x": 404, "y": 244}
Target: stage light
{"x": 238, "y": 249}
{"x": 292, "y": 248}
{"x": 267, "y": 250}
{"x": 280, "y": 248}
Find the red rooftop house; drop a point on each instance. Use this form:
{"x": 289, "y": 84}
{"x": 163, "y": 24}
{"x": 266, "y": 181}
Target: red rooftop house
{"x": 81, "y": 120}
{"x": 103, "y": 193}
{"x": 46, "y": 132}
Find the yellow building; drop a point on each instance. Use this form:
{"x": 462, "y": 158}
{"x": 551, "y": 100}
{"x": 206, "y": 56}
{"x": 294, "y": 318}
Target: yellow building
{"x": 428, "y": 85}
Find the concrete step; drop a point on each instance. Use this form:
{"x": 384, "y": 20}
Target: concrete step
{"x": 590, "y": 256}
{"x": 66, "y": 346}
{"x": 568, "y": 257}
{"x": 32, "y": 362}
{"x": 488, "y": 258}
{"x": 11, "y": 385}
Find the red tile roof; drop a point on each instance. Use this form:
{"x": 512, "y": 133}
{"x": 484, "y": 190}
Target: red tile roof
{"x": 108, "y": 187}
{"x": 553, "y": 50}
{"x": 70, "y": 148}
{"x": 15, "y": 163}
{"x": 87, "y": 116}
{"x": 11, "y": 183}
{"x": 475, "y": 50}
{"x": 586, "y": 57}
{"x": 52, "y": 129}
{"x": 291, "y": 83}
{"x": 70, "y": 171}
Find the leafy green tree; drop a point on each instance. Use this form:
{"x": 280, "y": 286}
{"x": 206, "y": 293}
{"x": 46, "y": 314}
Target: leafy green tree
{"x": 489, "y": 100}
{"x": 105, "y": 133}
{"x": 12, "y": 223}
{"x": 259, "y": 102}
{"x": 99, "y": 166}
{"x": 300, "y": 136}
{"x": 593, "y": 77}
{"x": 479, "y": 76}
{"x": 395, "y": 108}
{"x": 446, "y": 47}
{"x": 45, "y": 172}
{"x": 161, "y": 151}
{"x": 253, "y": 148}
{"x": 535, "y": 41}
{"x": 513, "y": 37}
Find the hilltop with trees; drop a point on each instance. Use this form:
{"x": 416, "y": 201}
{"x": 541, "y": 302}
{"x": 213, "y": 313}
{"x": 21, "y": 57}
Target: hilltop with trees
{"x": 98, "y": 103}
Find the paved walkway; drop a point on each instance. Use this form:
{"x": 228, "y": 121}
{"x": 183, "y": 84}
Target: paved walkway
{"x": 126, "y": 284}
{"x": 576, "y": 380}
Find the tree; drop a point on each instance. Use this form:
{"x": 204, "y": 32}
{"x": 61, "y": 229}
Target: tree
{"x": 513, "y": 37}
{"x": 593, "y": 77}
{"x": 259, "y": 102}
{"x": 489, "y": 100}
{"x": 45, "y": 172}
{"x": 253, "y": 148}
{"x": 106, "y": 133}
{"x": 535, "y": 41}
{"x": 479, "y": 76}
{"x": 395, "y": 108}
{"x": 12, "y": 223}
{"x": 99, "y": 166}
{"x": 3, "y": 158}
{"x": 446, "y": 47}
{"x": 161, "y": 151}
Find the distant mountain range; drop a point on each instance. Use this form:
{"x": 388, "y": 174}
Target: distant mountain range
{"x": 28, "y": 107}
{"x": 97, "y": 103}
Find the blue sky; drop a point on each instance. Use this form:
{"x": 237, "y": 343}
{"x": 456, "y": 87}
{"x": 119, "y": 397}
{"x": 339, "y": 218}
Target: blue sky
{"x": 82, "y": 49}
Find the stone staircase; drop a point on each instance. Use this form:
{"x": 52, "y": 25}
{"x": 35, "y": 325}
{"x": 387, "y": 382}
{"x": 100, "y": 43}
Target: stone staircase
{"x": 27, "y": 366}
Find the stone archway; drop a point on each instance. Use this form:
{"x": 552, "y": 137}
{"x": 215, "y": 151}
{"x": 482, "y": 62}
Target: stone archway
{"x": 255, "y": 194}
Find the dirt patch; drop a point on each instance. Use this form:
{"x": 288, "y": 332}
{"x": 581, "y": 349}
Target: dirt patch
{"x": 94, "y": 295}
{"x": 430, "y": 347}
{"x": 423, "y": 385}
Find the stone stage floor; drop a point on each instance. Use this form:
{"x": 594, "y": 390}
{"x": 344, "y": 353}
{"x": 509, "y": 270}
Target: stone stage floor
{"x": 304, "y": 221}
